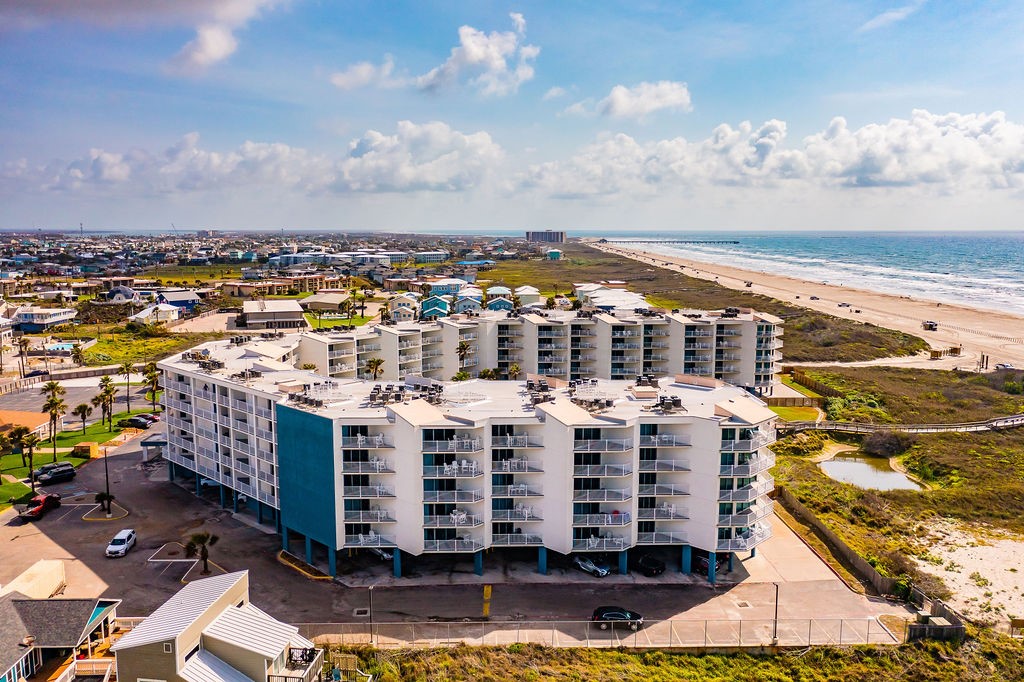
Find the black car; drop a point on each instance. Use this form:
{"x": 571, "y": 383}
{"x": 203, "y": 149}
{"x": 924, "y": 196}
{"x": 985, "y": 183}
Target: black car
{"x": 134, "y": 423}
{"x": 46, "y": 468}
{"x": 703, "y": 564}
{"x": 646, "y": 564}
{"x": 610, "y": 616}
{"x": 57, "y": 475}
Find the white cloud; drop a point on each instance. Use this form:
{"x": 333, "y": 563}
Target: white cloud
{"x": 554, "y": 93}
{"x": 365, "y": 74}
{"x": 496, "y": 63}
{"x": 933, "y": 153}
{"x": 890, "y": 17}
{"x": 416, "y": 157}
{"x": 215, "y": 22}
{"x": 638, "y": 101}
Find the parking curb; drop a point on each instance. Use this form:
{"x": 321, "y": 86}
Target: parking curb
{"x": 311, "y": 576}
{"x": 85, "y": 516}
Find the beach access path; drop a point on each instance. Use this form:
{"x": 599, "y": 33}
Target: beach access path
{"x": 998, "y": 335}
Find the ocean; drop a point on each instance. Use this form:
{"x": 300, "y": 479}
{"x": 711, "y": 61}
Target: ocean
{"x": 976, "y": 269}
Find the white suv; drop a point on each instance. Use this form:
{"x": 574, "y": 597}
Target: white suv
{"x": 121, "y": 543}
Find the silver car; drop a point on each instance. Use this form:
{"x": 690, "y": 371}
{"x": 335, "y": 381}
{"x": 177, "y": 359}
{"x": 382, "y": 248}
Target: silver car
{"x": 592, "y": 566}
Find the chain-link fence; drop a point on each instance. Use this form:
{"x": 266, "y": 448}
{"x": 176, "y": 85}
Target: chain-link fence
{"x": 655, "y": 634}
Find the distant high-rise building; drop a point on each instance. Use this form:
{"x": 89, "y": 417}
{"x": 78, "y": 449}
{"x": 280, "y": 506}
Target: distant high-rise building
{"x": 547, "y": 236}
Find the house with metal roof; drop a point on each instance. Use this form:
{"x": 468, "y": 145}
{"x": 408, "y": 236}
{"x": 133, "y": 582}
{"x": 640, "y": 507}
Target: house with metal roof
{"x": 210, "y": 632}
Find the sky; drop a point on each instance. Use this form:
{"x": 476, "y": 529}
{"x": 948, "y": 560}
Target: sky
{"x": 575, "y": 115}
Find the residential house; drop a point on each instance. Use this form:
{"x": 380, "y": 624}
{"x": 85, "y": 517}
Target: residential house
{"x": 122, "y": 294}
{"x": 157, "y": 313}
{"x": 466, "y": 304}
{"x": 34, "y": 319}
{"x": 435, "y": 306}
{"x": 528, "y": 295}
{"x": 276, "y": 314}
{"x": 185, "y": 299}
{"x": 500, "y": 303}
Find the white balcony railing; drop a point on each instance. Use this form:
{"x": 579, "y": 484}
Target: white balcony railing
{"x": 516, "y": 539}
{"x": 664, "y": 440}
{"x": 457, "y": 519}
{"x": 662, "y": 490}
{"x": 521, "y": 466}
{"x": 665, "y": 512}
{"x": 601, "y": 495}
{"x": 748, "y": 493}
{"x": 746, "y": 541}
{"x": 374, "y": 466}
{"x": 452, "y": 546}
{"x": 603, "y": 445}
{"x": 749, "y": 516}
{"x": 366, "y": 442}
{"x": 664, "y": 465}
{"x": 369, "y": 516}
{"x": 515, "y": 490}
{"x": 454, "y": 445}
{"x": 599, "y": 544}
{"x": 520, "y": 513}
{"x": 368, "y": 491}
{"x": 452, "y": 496}
{"x": 516, "y": 441}
{"x": 748, "y": 445}
{"x": 661, "y": 538}
{"x": 602, "y": 470}
{"x": 752, "y": 467}
{"x": 370, "y": 539}
{"x": 622, "y": 519}
{"x": 466, "y": 469}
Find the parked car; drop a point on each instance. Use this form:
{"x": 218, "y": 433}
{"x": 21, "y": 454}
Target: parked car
{"x": 36, "y": 373}
{"x": 647, "y": 564}
{"x": 1003, "y": 365}
{"x": 610, "y": 616}
{"x": 121, "y": 543}
{"x": 151, "y": 416}
{"x": 703, "y": 563}
{"x": 382, "y": 554}
{"x": 134, "y": 423}
{"x": 57, "y": 475}
{"x": 39, "y": 505}
{"x": 815, "y": 298}
{"x": 593, "y": 566}
{"x": 50, "y": 467}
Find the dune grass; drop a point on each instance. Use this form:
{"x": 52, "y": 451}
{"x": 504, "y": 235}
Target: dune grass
{"x": 796, "y": 414}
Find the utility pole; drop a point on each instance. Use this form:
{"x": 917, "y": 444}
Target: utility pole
{"x": 369, "y": 592}
{"x": 775, "y": 621}
{"x": 106, "y": 475}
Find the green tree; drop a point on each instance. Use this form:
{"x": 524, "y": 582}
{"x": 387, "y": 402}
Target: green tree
{"x": 199, "y": 545}
{"x": 52, "y": 389}
{"x": 23, "y": 345}
{"x": 375, "y": 366}
{"x": 29, "y": 443}
{"x": 78, "y": 354}
{"x": 104, "y": 499}
{"x": 514, "y": 370}
{"x": 126, "y": 370}
{"x": 55, "y": 407}
{"x": 83, "y": 412}
{"x": 152, "y": 374}
{"x": 550, "y": 303}
{"x": 461, "y": 376}
{"x": 3, "y": 349}
{"x": 16, "y": 435}
{"x": 462, "y": 350}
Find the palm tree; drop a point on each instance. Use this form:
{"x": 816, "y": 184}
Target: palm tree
{"x": 104, "y": 499}
{"x": 375, "y": 366}
{"x": 78, "y": 355}
{"x": 152, "y": 374}
{"x": 199, "y": 545}
{"x": 126, "y": 370}
{"x": 29, "y": 443}
{"x": 83, "y": 412}
{"x": 15, "y": 435}
{"x": 6, "y": 447}
{"x": 3, "y": 349}
{"x": 97, "y": 401}
{"x": 462, "y": 350}
{"x": 23, "y": 344}
{"x": 55, "y": 407}
{"x": 52, "y": 389}
{"x": 514, "y": 370}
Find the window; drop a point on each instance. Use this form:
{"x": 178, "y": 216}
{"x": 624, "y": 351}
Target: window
{"x": 168, "y": 648}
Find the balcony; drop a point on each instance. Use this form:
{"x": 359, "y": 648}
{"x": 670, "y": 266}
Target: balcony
{"x": 746, "y": 541}
{"x": 547, "y": 333}
{"x": 516, "y": 466}
{"x": 408, "y": 344}
{"x": 581, "y": 344}
{"x": 368, "y": 491}
{"x": 550, "y": 346}
{"x": 457, "y": 519}
{"x": 516, "y": 540}
{"x": 603, "y": 445}
{"x": 696, "y": 358}
{"x": 454, "y": 445}
{"x": 506, "y": 331}
{"x": 661, "y": 538}
{"x": 469, "y": 362}
{"x": 515, "y": 490}
{"x": 369, "y": 516}
{"x": 655, "y": 331}
{"x": 748, "y": 517}
{"x": 664, "y": 512}
{"x": 602, "y": 470}
{"x": 409, "y": 357}
{"x": 748, "y": 493}
{"x": 509, "y": 345}
{"x": 452, "y": 496}
{"x": 664, "y": 440}
{"x": 601, "y": 495}
{"x": 648, "y": 465}
{"x": 662, "y": 490}
{"x": 335, "y": 354}
{"x": 366, "y": 442}
{"x": 696, "y": 334}
{"x": 302, "y": 665}
{"x": 369, "y": 347}
{"x": 373, "y": 466}
{"x": 467, "y": 337}
{"x": 726, "y": 331}
{"x": 599, "y": 544}
{"x": 520, "y": 513}
{"x": 752, "y": 467}
{"x": 465, "y": 469}
{"x": 264, "y": 412}
{"x": 624, "y": 333}
{"x": 518, "y": 440}
{"x": 452, "y": 546}
{"x": 619, "y": 345}
{"x": 748, "y": 445}
{"x": 370, "y": 539}
{"x": 696, "y": 346}
{"x": 602, "y": 519}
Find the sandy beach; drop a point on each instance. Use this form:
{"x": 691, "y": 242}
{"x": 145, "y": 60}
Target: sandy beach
{"x": 998, "y": 335}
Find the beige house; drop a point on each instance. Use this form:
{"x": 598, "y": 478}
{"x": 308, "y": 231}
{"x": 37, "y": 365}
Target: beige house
{"x": 210, "y": 632}
{"x": 273, "y": 314}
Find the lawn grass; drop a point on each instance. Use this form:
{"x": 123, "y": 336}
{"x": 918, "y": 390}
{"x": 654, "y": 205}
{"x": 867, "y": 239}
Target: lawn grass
{"x": 986, "y": 657}
{"x": 11, "y": 464}
{"x": 99, "y": 433}
{"x": 787, "y": 380}
{"x": 18, "y": 492}
{"x": 190, "y": 273}
{"x": 796, "y": 414}
{"x": 119, "y": 345}
{"x": 297, "y": 297}
{"x": 809, "y": 335}
{"x": 329, "y": 322}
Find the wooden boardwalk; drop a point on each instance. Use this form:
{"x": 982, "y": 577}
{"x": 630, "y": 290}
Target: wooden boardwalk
{"x": 995, "y": 424}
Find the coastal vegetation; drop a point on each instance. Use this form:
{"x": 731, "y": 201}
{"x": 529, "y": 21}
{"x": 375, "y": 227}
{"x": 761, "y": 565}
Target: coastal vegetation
{"x": 810, "y": 336}
{"x": 986, "y": 657}
{"x": 118, "y": 343}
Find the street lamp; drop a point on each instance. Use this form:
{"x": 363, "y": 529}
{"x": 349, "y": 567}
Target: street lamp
{"x": 775, "y": 622}
{"x": 106, "y": 475}
{"x": 369, "y": 592}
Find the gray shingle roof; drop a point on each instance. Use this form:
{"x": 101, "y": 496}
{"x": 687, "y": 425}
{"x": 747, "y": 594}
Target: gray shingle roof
{"x": 56, "y": 622}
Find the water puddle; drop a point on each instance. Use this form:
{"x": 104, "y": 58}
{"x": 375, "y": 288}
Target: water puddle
{"x": 864, "y": 471}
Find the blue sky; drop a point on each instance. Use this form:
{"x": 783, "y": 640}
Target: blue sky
{"x": 428, "y": 116}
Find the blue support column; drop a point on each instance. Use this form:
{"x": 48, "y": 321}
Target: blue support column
{"x": 309, "y": 550}
{"x": 234, "y": 501}
{"x": 542, "y": 560}
{"x": 712, "y": 565}
{"x": 199, "y": 489}
{"x": 731, "y": 555}
{"x": 623, "y": 562}
{"x": 277, "y": 519}
{"x": 397, "y": 565}
{"x": 170, "y": 471}
{"x": 223, "y": 496}
{"x": 753, "y": 553}
{"x": 332, "y": 562}
{"x": 478, "y": 563}
{"x": 686, "y": 565}
{"x": 259, "y": 512}
{"x": 284, "y": 539}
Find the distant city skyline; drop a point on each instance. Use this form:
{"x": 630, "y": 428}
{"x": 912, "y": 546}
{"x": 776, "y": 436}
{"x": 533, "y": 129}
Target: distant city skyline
{"x": 270, "y": 114}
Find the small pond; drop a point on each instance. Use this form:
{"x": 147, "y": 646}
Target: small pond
{"x": 865, "y": 471}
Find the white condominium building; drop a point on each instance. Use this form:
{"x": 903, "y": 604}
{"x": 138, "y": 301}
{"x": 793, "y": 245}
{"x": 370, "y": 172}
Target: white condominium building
{"x": 421, "y": 466}
{"x": 740, "y": 346}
